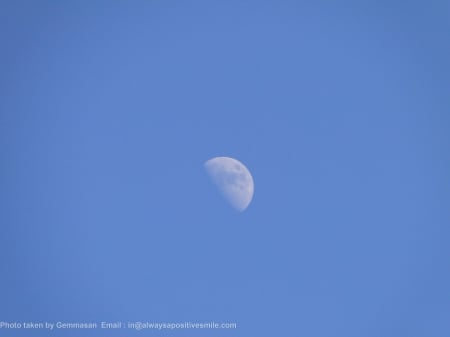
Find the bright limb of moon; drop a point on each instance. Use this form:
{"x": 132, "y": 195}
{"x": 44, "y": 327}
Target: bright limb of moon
{"x": 233, "y": 180}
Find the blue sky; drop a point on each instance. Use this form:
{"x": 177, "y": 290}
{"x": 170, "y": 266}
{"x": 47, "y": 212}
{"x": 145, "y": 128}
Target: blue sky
{"x": 108, "y": 111}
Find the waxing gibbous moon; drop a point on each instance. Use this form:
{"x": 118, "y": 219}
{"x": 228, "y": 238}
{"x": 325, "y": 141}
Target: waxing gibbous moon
{"x": 233, "y": 180}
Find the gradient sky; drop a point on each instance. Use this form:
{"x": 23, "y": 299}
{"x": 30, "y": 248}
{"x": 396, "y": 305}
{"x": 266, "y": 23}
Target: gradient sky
{"x": 341, "y": 111}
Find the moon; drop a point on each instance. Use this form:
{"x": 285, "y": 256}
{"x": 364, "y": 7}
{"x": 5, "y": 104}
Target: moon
{"x": 233, "y": 180}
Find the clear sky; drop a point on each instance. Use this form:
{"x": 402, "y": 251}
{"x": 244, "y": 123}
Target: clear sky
{"x": 341, "y": 111}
